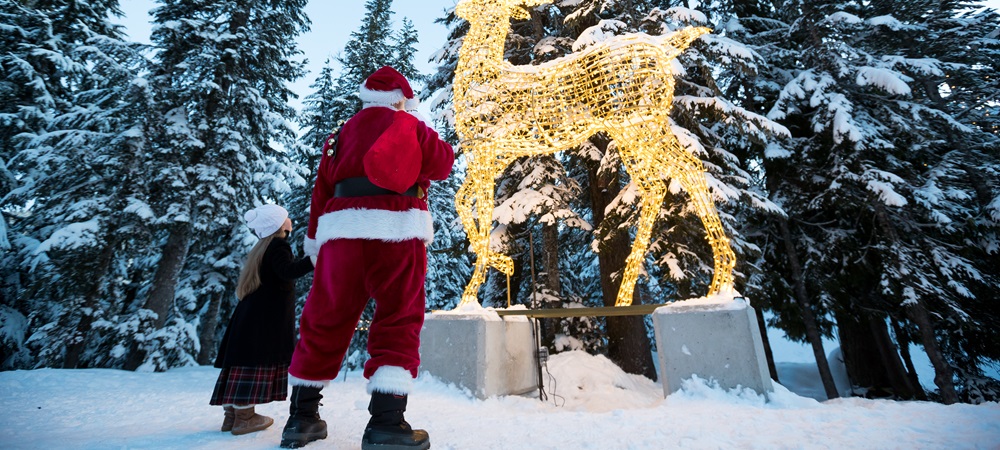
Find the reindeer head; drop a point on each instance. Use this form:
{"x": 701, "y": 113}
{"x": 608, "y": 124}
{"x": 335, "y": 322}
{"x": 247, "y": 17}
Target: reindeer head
{"x": 472, "y": 10}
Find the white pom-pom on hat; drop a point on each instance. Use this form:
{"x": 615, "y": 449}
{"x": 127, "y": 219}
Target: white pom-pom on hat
{"x": 265, "y": 220}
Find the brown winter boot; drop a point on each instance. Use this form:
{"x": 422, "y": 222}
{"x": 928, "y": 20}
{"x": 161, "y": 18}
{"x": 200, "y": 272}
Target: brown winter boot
{"x": 248, "y": 421}
{"x": 230, "y": 417}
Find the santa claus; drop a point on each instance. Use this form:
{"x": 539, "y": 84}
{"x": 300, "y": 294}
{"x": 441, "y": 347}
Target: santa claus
{"x": 368, "y": 228}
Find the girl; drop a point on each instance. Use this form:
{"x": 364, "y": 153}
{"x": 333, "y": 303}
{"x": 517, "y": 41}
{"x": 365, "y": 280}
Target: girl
{"x": 257, "y": 346}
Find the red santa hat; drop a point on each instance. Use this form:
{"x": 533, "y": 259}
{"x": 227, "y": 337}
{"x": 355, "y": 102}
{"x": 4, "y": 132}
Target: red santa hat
{"x": 385, "y": 87}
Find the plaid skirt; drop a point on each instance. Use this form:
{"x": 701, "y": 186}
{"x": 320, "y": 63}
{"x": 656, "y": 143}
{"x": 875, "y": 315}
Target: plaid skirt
{"x": 243, "y": 385}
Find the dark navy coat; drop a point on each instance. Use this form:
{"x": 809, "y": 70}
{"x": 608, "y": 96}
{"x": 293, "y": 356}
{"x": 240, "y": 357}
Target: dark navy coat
{"x": 261, "y": 330}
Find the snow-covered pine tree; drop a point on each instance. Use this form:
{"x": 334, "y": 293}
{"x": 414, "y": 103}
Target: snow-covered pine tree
{"x": 85, "y": 220}
{"x": 449, "y": 263}
{"x": 317, "y": 125}
{"x": 959, "y": 193}
{"x": 875, "y": 206}
{"x": 778, "y": 282}
{"x": 368, "y": 49}
{"x": 222, "y": 69}
{"x": 31, "y": 61}
{"x": 404, "y": 48}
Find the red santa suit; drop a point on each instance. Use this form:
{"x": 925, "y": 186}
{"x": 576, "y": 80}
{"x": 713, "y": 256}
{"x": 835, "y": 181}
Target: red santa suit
{"x": 371, "y": 246}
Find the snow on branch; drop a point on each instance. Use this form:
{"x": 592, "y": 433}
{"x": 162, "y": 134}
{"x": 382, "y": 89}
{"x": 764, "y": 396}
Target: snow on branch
{"x": 603, "y": 31}
{"x": 889, "y": 22}
{"x": 71, "y": 236}
{"x": 687, "y": 15}
{"x": 842, "y": 17}
{"x": 752, "y": 122}
{"x": 885, "y": 79}
{"x": 881, "y": 183}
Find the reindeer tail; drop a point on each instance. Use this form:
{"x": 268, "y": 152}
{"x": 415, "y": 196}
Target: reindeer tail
{"x": 680, "y": 40}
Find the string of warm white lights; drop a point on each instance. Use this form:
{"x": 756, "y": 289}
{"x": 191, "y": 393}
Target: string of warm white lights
{"x": 622, "y": 86}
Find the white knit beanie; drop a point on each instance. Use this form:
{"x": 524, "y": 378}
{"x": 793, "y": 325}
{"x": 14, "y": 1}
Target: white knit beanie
{"x": 265, "y": 220}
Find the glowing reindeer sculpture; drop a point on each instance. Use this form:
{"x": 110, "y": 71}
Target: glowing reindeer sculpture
{"x": 622, "y": 86}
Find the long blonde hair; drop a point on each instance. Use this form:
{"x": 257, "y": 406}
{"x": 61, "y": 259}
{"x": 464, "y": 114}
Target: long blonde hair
{"x": 250, "y": 275}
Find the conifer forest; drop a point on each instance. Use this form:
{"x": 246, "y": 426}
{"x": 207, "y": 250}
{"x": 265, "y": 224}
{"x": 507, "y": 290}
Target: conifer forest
{"x": 852, "y": 149}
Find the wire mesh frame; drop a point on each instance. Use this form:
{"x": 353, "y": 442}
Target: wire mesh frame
{"x": 622, "y": 86}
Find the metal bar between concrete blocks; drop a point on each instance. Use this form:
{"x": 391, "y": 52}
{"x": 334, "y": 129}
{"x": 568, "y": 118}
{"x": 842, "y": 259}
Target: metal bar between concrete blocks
{"x": 632, "y": 310}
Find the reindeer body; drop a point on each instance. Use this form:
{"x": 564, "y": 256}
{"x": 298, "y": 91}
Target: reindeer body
{"x": 623, "y": 86}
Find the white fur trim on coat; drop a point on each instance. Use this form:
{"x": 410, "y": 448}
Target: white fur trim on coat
{"x": 296, "y": 381}
{"x": 380, "y": 98}
{"x": 377, "y": 224}
{"x": 391, "y": 380}
{"x": 310, "y": 247}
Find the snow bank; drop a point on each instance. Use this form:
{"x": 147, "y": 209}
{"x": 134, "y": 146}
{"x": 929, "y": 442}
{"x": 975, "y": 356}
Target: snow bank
{"x": 591, "y": 404}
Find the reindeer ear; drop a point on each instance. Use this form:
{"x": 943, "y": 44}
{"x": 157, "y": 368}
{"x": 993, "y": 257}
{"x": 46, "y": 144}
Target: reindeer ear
{"x": 682, "y": 39}
{"x": 519, "y": 13}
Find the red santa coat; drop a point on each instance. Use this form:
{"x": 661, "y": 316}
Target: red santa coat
{"x": 391, "y": 218}
{"x": 368, "y": 247}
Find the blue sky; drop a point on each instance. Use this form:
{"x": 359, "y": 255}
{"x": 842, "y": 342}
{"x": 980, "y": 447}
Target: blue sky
{"x": 332, "y": 24}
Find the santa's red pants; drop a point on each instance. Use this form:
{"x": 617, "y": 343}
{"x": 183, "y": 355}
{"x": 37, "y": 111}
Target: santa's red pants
{"x": 348, "y": 273}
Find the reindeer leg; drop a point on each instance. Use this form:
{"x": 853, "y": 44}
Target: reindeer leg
{"x": 464, "y": 203}
{"x": 475, "y": 206}
{"x": 652, "y": 198}
{"x": 498, "y": 260}
{"x": 692, "y": 179}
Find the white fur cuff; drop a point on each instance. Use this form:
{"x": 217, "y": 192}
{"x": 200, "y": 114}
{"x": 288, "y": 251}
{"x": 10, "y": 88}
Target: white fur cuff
{"x": 310, "y": 246}
{"x": 296, "y": 381}
{"x": 380, "y": 98}
{"x": 391, "y": 380}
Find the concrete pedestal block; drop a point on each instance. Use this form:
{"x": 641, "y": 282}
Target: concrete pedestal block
{"x": 714, "y": 338}
{"x": 481, "y": 352}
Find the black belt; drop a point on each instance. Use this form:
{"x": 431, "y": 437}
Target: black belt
{"x": 363, "y": 187}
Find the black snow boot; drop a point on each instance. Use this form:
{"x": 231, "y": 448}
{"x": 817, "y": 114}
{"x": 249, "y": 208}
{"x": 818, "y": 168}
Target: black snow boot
{"x": 387, "y": 430}
{"x": 304, "y": 424}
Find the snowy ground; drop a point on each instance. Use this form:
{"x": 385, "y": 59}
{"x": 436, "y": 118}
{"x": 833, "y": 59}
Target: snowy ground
{"x": 594, "y": 406}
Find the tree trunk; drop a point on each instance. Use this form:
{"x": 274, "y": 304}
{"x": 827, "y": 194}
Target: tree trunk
{"x": 889, "y": 355}
{"x": 917, "y": 312}
{"x": 161, "y": 294}
{"x": 864, "y": 364}
{"x": 942, "y": 370}
{"x": 767, "y": 344}
{"x": 550, "y": 238}
{"x": 872, "y": 359}
{"x": 89, "y": 308}
{"x": 903, "y": 342}
{"x": 206, "y": 335}
{"x": 628, "y": 344}
{"x": 802, "y": 300}
{"x": 164, "y": 285}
